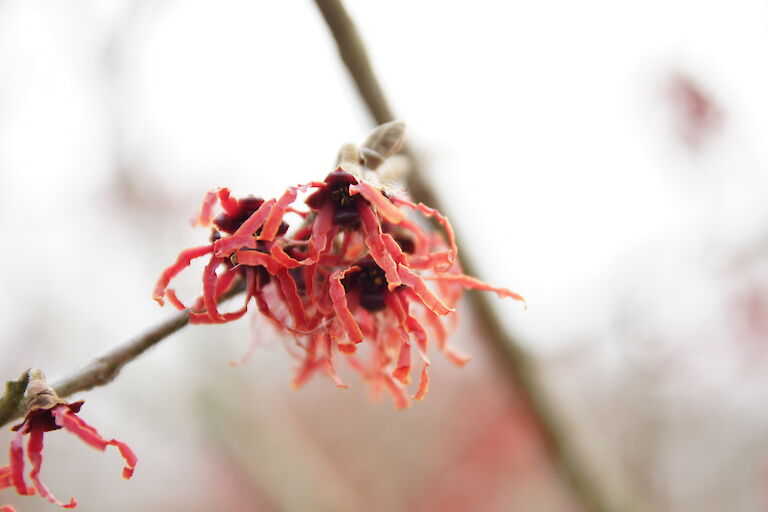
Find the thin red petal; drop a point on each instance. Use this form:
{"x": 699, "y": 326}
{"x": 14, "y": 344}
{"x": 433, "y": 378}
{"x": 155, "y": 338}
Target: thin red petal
{"x": 441, "y": 334}
{"x": 329, "y": 361}
{"x": 264, "y": 309}
{"x": 293, "y": 301}
{"x": 309, "y": 283}
{"x": 339, "y": 298}
{"x": 476, "y": 284}
{"x": 455, "y": 357}
{"x": 5, "y": 477}
{"x": 384, "y": 206}
{"x": 35, "y": 454}
{"x": 403, "y": 370}
{"x": 128, "y": 455}
{"x": 7, "y": 508}
{"x": 258, "y": 258}
{"x": 321, "y": 227}
{"x": 228, "y": 203}
{"x": 17, "y": 464}
{"x": 206, "y": 210}
{"x": 423, "y": 384}
{"x": 225, "y": 281}
{"x": 210, "y": 279}
{"x": 282, "y": 257}
{"x": 431, "y": 212}
{"x": 396, "y": 307}
{"x": 272, "y": 224}
{"x": 398, "y": 393}
{"x": 422, "y": 240}
{"x": 72, "y": 423}
{"x": 394, "y": 250}
{"x": 375, "y": 243}
{"x": 182, "y": 262}
{"x": 243, "y": 237}
{"x": 421, "y": 290}
{"x": 222, "y": 318}
{"x": 418, "y": 332}
{"x": 306, "y": 371}
{"x": 170, "y": 294}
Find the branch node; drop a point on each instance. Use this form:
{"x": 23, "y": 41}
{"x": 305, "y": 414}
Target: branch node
{"x": 10, "y": 403}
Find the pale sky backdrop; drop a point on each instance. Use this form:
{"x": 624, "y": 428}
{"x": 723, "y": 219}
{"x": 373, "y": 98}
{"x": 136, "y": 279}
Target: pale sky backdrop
{"x": 547, "y": 127}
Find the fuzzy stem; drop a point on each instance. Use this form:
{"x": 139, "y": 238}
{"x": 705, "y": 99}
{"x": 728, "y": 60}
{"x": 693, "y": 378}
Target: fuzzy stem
{"x": 515, "y": 363}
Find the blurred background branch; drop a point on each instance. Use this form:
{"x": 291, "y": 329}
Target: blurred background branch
{"x": 517, "y": 366}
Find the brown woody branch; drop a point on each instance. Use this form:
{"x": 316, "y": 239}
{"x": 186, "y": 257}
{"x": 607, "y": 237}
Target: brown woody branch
{"x": 516, "y": 364}
{"x": 104, "y": 368}
{"x": 99, "y": 371}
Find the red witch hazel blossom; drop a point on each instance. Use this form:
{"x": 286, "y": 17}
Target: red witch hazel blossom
{"x": 46, "y": 412}
{"x": 355, "y": 272}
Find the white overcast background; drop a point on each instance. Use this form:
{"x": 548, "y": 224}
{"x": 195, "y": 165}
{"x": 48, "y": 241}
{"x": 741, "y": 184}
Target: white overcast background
{"x": 547, "y": 129}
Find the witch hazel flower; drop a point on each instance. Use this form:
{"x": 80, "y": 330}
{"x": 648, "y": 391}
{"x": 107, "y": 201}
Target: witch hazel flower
{"x": 47, "y": 412}
{"x": 358, "y": 271}
{"x": 238, "y": 224}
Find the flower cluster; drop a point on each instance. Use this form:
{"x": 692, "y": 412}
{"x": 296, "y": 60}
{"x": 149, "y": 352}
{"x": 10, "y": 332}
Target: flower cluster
{"x": 47, "y": 412}
{"x": 355, "y": 270}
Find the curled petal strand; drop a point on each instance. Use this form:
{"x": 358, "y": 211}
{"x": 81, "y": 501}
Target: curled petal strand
{"x": 17, "y": 464}
{"x": 431, "y": 212}
{"x": 272, "y": 224}
{"x": 398, "y": 393}
{"x": 421, "y": 290}
{"x": 418, "y": 332}
{"x": 210, "y": 279}
{"x": 222, "y": 318}
{"x": 403, "y": 369}
{"x": 5, "y": 477}
{"x": 170, "y": 294}
{"x": 283, "y": 258}
{"x": 291, "y": 294}
{"x": 379, "y": 253}
{"x": 339, "y": 298}
{"x": 206, "y": 210}
{"x": 455, "y": 357}
{"x": 228, "y": 203}
{"x": 331, "y": 368}
{"x": 321, "y": 228}
{"x": 258, "y": 258}
{"x": 74, "y": 424}
{"x": 395, "y": 305}
{"x": 243, "y": 237}
{"x": 476, "y": 284}
{"x": 35, "y": 454}
{"x": 384, "y": 206}
{"x": 423, "y": 384}
{"x": 182, "y": 262}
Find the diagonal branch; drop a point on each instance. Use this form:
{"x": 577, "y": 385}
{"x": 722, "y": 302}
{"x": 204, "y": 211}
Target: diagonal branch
{"x": 104, "y": 368}
{"x": 517, "y": 365}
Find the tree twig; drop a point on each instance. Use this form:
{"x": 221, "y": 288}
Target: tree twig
{"x": 516, "y": 364}
{"x": 104, "y": 368}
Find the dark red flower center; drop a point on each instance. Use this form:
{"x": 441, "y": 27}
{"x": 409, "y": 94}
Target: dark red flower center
{"x": 229, "y": 222}
{"x": 370, "y": 282}
{"x": 336, "y": 192}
